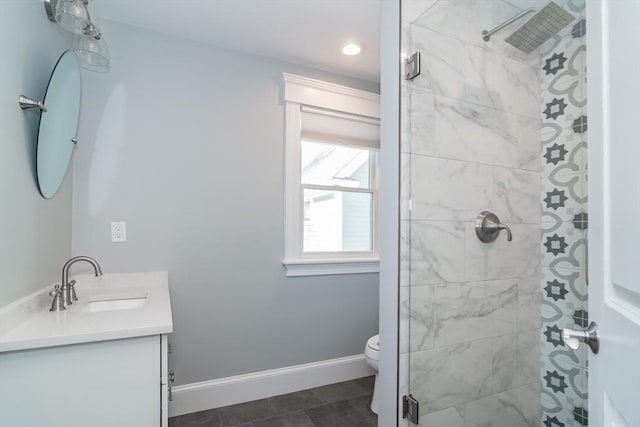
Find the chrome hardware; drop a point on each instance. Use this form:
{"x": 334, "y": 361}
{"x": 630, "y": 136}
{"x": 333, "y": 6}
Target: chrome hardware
{"x": 68, "y": 288}
{"x": 488, "y": 227}
{"x": 573, "y": 337}
{"x": 172, "y": 376}
{"x": 410, "y": 407}
{"x": 586, "y": 261}
{"x": 412, "y": 66}
{"x": 26, "y": 103}
{"x": 72, "y": 290}
{"x": 170, "y": 394}
{"x": 50, "y": 7}
{"x": 486, "y": 35}
{"x": 74, "y": 140}
{"x": 57, "y": 304}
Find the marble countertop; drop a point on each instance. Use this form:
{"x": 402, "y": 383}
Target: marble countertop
{"x": 28, "y": 323}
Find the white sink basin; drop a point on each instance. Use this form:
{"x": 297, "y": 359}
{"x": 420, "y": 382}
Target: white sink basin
{"x": 115, "y": 304}
{"x": 117, "y": 300}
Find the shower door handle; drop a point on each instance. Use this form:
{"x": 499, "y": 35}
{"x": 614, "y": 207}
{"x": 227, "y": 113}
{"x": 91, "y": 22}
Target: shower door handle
{"x": 573, "y": 337}
{"x": 488, "y": 227}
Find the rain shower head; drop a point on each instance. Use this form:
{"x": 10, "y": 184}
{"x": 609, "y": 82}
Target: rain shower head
{"x": 546, "y": 23}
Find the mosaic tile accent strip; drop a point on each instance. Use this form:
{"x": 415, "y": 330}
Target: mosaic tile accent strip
{"x": 564, "y": 222}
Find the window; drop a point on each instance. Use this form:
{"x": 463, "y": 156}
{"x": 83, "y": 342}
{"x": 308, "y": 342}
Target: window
{"x": 338, "y": 188}
{"x": 332, "y": 143}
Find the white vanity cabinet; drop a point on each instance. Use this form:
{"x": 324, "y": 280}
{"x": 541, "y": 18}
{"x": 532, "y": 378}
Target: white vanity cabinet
{"x": 99, "y": 363}
{"x": 119, "y": 382}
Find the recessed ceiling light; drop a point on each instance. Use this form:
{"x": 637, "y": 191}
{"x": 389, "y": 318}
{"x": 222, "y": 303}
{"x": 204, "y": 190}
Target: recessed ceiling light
{"x": 351, "y": 49}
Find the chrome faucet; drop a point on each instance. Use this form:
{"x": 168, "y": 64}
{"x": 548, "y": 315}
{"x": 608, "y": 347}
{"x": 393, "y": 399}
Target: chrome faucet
{"x": 68, "y": 288}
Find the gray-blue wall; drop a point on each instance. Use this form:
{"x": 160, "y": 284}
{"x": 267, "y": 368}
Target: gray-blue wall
{"x": 184, "y": 142}
{"x": 36, "y": 237}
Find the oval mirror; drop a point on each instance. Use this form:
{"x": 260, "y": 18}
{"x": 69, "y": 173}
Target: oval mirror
{"x": 58, "y": 125}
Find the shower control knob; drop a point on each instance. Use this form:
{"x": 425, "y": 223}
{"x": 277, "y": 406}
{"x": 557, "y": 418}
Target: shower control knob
{"x": 488, "y": 227}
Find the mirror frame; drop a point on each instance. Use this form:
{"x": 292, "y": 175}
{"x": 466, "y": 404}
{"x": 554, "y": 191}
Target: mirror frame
{"x": 54, "y": 151}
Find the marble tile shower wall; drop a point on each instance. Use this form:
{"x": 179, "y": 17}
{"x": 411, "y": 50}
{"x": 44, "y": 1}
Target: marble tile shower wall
{"x": 470, "y": 142}
{"x": 564, "y": 221}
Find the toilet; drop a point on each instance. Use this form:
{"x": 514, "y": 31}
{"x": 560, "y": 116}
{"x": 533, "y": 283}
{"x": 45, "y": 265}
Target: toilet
{"x": 371, "y": 354}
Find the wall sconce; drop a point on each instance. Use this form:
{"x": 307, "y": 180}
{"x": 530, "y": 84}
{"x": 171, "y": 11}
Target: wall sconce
{"x": 89, "y": 44}
{"x": 93, "y": 52}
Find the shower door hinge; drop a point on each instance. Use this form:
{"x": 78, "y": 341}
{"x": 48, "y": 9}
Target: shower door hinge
{"x": 412, "y": 66}
{"x": 410, "y": 408}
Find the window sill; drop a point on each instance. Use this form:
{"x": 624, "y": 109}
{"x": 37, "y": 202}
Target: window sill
{"x": 324, "y": 267}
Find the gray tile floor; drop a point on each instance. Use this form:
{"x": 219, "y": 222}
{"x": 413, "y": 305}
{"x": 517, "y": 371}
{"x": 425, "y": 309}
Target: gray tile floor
{"x": 336, "y": 405}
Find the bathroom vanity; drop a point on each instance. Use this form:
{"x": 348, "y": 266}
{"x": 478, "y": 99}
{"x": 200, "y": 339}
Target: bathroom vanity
{"x": 100, "y": 362}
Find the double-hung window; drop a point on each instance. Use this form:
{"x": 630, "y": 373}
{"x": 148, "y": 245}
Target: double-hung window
{"x": 331, "y": 212}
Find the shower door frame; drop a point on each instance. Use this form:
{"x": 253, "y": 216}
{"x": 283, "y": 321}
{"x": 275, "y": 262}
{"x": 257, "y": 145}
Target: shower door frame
{"x": 390, "y": 75}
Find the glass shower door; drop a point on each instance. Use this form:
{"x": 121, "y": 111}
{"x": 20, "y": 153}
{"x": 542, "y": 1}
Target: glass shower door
{"x": 470, "y": 143}
{"x": 488, "y": 127}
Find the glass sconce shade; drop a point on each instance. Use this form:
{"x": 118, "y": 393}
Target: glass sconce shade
{"x": 93, "y": 52}
{"x": 73, "y": 16}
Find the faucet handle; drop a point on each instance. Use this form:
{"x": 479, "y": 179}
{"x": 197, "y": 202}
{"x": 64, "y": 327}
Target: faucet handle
{"x": 56, "y": 291}
{"x": 58, "y": 303}
{"x": 72, "y": 289}
{"x": 508, "y": 230}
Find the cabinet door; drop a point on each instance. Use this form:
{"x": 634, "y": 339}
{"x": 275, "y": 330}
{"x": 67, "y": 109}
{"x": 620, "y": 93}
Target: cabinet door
{"x": 103, "y": 384}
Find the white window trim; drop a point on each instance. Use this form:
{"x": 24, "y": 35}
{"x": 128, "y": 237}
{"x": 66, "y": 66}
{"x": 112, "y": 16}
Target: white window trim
{"x": 301, "y": 91}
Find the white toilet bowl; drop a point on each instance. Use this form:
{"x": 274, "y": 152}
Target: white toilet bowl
{"x": 371, "y": 354}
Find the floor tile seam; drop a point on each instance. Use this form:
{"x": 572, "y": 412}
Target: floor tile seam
{"x": 364, "y": 412}
{"x": 322, "y": 403}
{"x": 250, "y": 420}
{"x": 278, "y": 413}
{"x": 284, "y": 415}
{"x": 196, "y": 424}
{"x": 331, "y": 402}
{"x": 350, "y": 405}
{"x": 363, "y": 393}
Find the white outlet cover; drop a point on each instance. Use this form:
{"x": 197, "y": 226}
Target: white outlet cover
{"x": 119, "y": 232}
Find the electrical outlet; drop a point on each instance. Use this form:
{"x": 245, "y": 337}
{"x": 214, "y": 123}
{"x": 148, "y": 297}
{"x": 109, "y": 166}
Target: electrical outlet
{"x": 119, "y": 232}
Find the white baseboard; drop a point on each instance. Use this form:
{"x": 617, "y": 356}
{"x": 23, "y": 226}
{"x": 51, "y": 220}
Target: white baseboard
{"x": 205, "y": 395}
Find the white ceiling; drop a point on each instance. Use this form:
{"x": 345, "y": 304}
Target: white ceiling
{"x": 308, "y": 32}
